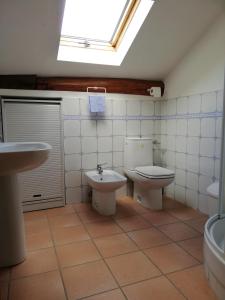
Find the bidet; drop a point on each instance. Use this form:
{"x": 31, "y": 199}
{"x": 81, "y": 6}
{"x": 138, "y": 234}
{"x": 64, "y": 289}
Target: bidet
{"x": 104, "y": 186}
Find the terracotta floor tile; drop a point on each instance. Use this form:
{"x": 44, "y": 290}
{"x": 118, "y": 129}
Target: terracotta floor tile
{"x": 81, "y": 207}
{"x": 47, "y": 286}
{"x": 133, "y": 223}
{"x": 88, "y": 279}
{"x": 124, "y": 210}
{"x": 193, "y": 284}
{"x": 37, "y": 226}
{"x": 65, "y": 235}
{"x": 132, "y": 267}
{"x": 185, "y": 213}
{"x": 4, "y": 290}
{"x": 159, "y": 218}
{"x": 92, "y": 216}
{"x": 125, "y": 200}
{"x": 39, "y": 261}
{"x": 38, "y": 241}
{"x": 112, "y": 295}
{"x": 179, "y": 231}
{"x": 147, "y": 238}
{"x": 4, "y": 274}
{"x": 104, "y": 228}
{"x": 197, "y": 224}
{"x": 194, "y": 247}
{"x": 77, "y": 253}
{"x": 154, "y": 289}
{"x": 115, "y": 245}
{"x": 139, "y": 208}
{"x": 64, "y": 221}
{"x": 59, "y": 211}
{"x": 169, "y": 203}
{"x": 170, "y": 258}
{"x": 38, "y": 278}
{"x": 34, "y": 215}
{"x": 132, "y": 205}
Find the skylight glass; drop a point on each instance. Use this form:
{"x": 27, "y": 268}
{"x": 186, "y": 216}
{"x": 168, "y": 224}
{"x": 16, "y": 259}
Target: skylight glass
{"x": 93, "y": 19}
{"x": 100, "y": 31}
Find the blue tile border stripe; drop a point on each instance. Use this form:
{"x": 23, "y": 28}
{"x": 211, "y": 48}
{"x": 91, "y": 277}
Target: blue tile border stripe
{"x": 192, "y": 116}
{"x": 160, "y": 117}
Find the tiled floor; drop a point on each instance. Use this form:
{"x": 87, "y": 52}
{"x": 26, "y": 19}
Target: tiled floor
{"x": 139, "y": 254}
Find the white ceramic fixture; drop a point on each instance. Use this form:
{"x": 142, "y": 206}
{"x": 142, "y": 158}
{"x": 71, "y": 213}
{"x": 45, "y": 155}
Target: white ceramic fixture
{"x": 15, "y": 158}
{"x": 212, "y": 201}
{"x": 104, "y": 186}
{"x": 213, "y": 189}
{"x": 214, "y": 254}
{"x": 214, "y": 246}
{"x": 148, "y": 179}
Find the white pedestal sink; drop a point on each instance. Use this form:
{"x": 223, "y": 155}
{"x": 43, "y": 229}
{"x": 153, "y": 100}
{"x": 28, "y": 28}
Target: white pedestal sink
{"x": 15, "y": 158}
{"x": 104, "y": 187}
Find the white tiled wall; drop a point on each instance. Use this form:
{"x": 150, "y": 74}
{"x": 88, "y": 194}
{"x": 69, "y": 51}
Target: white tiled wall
{"x": 187, "y": 131}
{"x": 90, "y": 139}
{"x": 190, "y": 145}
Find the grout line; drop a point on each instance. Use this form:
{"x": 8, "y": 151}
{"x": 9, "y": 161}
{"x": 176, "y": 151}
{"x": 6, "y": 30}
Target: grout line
{"x": 198, "y": 260}
{"x": 104, "y": 260}
{"x": 172, "y": 241}
{"x": 101, "y": 293}
{"x": 179, "y": 270}
{"x": 182, "y": 239}
{"x": 160, "y": 117}
{"x": 188, "y": 268}
{"x": 92, "y": 239}
{"x": 80, "y": 264}
{"x": 182, "y": 220}
{"x": 179, "y": 290}
{"x": 142, "y": 280}
{"x": 33, "y": 275}
{"x": 58, "y": 263}
{"x": 133, "y": 230}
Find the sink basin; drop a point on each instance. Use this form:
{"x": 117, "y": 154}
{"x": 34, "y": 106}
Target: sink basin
{"x": 15, "y": 158}
{"x": 20, "y": 157}
{"x": 108, "y": 181}
{"x": 104, "y": 187}
{"x": 213, "y": 189}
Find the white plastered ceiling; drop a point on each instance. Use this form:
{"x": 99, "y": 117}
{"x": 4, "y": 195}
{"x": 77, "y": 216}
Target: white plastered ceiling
{"x": 30, "y": 31}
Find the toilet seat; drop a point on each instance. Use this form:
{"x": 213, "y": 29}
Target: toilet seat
{"x": 154, "y": 172}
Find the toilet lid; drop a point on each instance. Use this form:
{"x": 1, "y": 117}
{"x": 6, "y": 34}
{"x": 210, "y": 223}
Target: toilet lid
{"x": 154, "y": 171}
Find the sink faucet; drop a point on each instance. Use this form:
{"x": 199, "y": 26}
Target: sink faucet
{"x": 99, "y": 168}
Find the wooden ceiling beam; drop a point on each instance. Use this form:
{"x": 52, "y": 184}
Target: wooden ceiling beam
{"x": 80, "y": 84}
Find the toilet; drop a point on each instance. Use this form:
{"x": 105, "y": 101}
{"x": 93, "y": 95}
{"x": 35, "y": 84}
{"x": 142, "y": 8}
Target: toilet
{"x": 148, "y": 179}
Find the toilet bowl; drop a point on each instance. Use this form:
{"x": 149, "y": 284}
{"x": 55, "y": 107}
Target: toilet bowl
{"x": 148, "y": 179}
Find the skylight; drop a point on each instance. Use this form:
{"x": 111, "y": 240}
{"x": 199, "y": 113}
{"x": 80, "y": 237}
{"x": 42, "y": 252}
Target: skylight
{"x": 100, "y": 31}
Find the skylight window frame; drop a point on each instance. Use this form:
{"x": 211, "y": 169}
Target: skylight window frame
{"x": 71, "y": 50}
{"x": 112, "y": 45}
{"x": 124, "y": 23}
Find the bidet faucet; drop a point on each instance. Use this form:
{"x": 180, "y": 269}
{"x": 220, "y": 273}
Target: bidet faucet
{"x": 99, "y": 168}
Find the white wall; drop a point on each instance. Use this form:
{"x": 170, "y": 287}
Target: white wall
{"x": 202, "y": 69}
{"x": 91, "y": 139}
{"x": 190, "y": 145}
{"x": 195, "y": 115}
{"x": 191, "y": 118}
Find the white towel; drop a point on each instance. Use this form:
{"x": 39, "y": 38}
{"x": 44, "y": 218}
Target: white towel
{"x": 97, "y": 103}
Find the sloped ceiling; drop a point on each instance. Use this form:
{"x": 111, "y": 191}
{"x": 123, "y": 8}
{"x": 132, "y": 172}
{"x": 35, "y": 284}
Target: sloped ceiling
{"x": 30, "y": 30}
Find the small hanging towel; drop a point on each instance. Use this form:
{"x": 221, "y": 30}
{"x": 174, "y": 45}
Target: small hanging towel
{"x": 97, "y": 104}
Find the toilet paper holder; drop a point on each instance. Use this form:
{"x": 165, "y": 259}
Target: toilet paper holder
{"x": 155, "y": 91}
